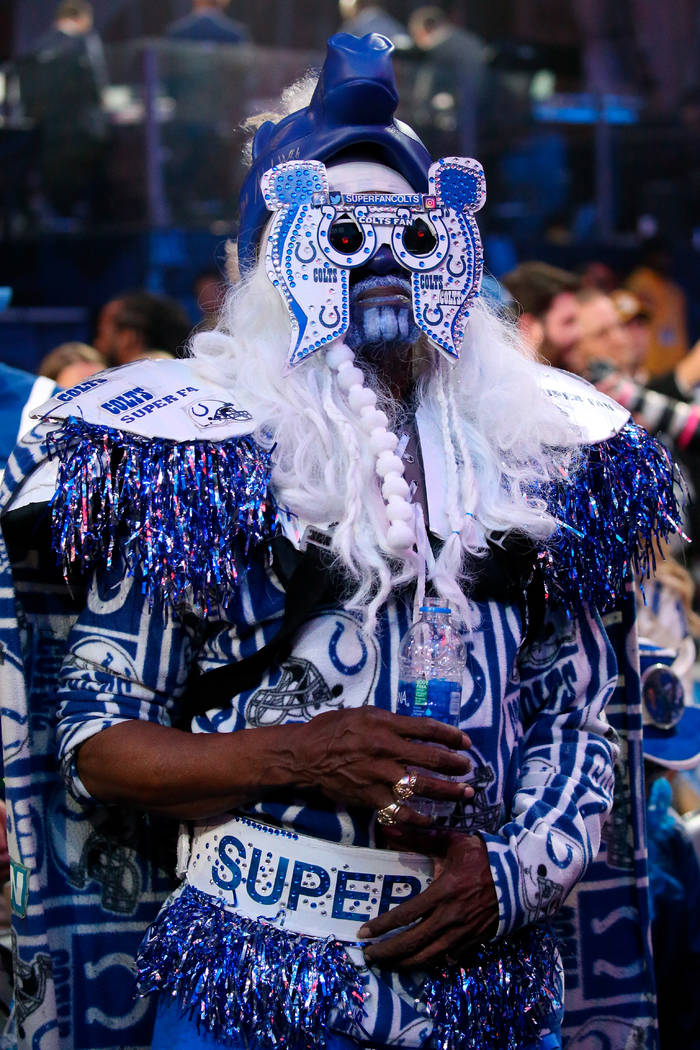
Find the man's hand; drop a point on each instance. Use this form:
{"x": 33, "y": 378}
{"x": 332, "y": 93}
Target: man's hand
{"x": 356, "y": 755}
{"x": 458, "y": 909}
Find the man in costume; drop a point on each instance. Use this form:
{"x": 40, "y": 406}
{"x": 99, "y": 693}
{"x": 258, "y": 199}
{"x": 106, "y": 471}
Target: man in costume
{"x": 248, "y": 535}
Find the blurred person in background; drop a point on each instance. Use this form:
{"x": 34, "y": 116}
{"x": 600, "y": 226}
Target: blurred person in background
{"x": 635, "y": 320}
{"x": 72, "y": 32}
{"x": 450, "y": 83}
{"x": 71, "y": 363}
{"x": 138, "y": 324}
{"x": 605, "y": 354}
{"x": 598, "y": 274}
{"x": 613, "y": 346}
{"x": 665, "y": 615}
{"x": 683, "y": 381}
{"x": 680, "y": 382}
{"x": 209, "y": 290}
{"x": 602, "y": 336}
{"x": 195, "y": 73}
{"x": 671, "y": 745}
{"x": 666, "y": 303}
{"x": 61, "y": 84}
{"x": 208, "y": 23}
{"x": 360, "y": 17}
{"x": 549, "y": 313}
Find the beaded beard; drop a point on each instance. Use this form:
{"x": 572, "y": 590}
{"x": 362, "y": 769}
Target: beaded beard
{"x": 318, "y": 235}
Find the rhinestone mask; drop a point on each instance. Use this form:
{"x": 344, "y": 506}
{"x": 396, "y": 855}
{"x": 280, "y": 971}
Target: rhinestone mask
{"x": 318, "y": 235}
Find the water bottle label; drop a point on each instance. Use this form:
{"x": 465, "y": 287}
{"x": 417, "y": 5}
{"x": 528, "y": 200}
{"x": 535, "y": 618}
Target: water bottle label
{"x": 430, "y": 698}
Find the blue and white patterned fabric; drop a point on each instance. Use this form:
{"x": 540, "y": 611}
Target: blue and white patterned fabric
{"x": 86, "y": 879}
{"x": 144, "y": 674}
{"x": 542, "y": 761}
{"x": 84, "y": 884}
{"x": 603, "y": 928}
{"x": 20, "y": 393}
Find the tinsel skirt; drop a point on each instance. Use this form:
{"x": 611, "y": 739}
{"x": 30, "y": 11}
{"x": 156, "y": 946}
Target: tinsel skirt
{"x": 250, "y": 983}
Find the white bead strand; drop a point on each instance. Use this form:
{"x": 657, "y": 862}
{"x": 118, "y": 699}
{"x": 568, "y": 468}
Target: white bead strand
{"x": 400, "y": 535}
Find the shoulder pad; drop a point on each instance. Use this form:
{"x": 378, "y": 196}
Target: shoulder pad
{"x": 153, "y": 398}
{"x": 597, "y": 416}
{"x": 610, "y": 517}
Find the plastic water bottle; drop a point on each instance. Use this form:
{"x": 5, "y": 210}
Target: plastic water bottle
{"x": 432, "y": 658}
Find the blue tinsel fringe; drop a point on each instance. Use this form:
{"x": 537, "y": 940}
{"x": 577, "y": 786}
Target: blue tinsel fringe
{"x": 241, "y": 979}
{"x": 183, "y": 510}
{"x": 498, "y": 1001}
{"x": 622, "y": 502}
{"x": 248, "y": 981}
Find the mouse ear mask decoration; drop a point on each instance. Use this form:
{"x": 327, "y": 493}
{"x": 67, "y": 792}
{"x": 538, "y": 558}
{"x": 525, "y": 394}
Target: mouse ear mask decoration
{"x": 318, "y": 236}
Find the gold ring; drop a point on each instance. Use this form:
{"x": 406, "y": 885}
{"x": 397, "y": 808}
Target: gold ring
{"x": 387, "y": 816}
{"x": 405, "y": 787}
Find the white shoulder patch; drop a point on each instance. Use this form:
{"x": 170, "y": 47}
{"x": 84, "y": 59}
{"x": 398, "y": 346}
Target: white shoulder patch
{"x": 596, "y": 415}
{"x": 153, "y": 398}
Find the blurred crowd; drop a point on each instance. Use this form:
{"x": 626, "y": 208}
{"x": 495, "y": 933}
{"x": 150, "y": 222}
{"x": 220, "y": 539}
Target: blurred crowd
{"x": 62, "y": 89}
{"x": 76, "y": 113}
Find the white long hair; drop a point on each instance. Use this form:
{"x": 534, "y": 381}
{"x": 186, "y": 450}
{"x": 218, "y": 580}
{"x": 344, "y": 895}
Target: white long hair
{"x": 501, "y": 437}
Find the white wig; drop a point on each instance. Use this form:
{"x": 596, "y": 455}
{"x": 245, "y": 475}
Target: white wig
{"x": 501, "y": 437}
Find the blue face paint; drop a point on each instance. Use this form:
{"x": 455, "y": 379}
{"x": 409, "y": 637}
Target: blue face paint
{"x": 381, "y": 320}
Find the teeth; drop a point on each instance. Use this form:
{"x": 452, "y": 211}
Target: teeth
{"x": 380, "y": 297}
{"x": 371, "y": 324}
{"x": 380, "y": 324}
{"x": 385, "y": 323}
{"x": 389, "y": 323}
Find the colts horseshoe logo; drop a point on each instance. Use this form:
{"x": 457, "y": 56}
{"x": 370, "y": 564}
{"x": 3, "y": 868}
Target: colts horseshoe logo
{"x": 560, "y": 862}
{"x": 301, "y": 258}
{"x": 450, "y": 268}
{"x": 330, "y": 324}
{"x": 440, "y": 315}
{"x": 344, "y": 668}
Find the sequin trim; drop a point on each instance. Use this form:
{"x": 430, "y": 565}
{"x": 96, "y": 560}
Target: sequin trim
{"x": 501, "y": 999}
{"x": 188, "y": 513}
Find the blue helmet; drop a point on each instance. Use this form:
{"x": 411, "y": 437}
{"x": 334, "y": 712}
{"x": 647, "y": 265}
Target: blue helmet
{"x": 353, "y": 105}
